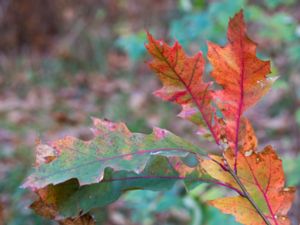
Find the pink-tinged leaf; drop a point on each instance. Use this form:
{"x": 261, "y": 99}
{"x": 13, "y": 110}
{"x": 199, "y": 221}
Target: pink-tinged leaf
{"x": 114, "y": 146}
{"x": 242, "y": 76}
{"x": 81, "y": 175}
{"x": 181, "y": 76}
{"x": 262, "y": 176}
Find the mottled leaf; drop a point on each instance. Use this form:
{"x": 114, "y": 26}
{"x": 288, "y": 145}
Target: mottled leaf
{"x": 113, "y": 146}
{"x": 83, "y": 175}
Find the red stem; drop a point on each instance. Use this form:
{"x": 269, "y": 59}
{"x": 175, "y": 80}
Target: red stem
{"x": 240, "y": 106}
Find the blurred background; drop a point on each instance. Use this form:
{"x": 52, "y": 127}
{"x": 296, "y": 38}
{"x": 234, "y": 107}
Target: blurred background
{"x": 62, "y": 61}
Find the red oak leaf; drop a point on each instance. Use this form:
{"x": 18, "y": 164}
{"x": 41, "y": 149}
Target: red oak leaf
{"x": 262, "y": 176}
{"x": 242, "y": 76}
{"x": 181, "y": 76}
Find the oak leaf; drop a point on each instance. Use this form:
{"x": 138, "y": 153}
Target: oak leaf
{"x": 241, "y": 75}
{"x": 113, "y": 146}
{"x": 82, "y": 175}
{"x": 261, "y": 174}
{"x": 69, "y": 199}
{"x": 182, "y": 79}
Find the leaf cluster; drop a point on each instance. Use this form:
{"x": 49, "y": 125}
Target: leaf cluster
{"x": 72, "y": 176}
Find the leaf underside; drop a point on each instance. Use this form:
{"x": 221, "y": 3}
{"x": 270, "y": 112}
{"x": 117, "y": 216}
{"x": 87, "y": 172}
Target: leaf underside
{"x": 82, "y": 175}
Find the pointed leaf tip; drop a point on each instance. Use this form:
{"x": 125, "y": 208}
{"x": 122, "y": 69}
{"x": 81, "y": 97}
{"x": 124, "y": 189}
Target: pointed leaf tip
{"x": 242, "y": 76}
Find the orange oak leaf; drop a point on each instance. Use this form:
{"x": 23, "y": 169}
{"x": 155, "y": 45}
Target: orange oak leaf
{"x": 262, "y": 176}
{"x": 181, "y": 76}
{"x": 242, "y": 76}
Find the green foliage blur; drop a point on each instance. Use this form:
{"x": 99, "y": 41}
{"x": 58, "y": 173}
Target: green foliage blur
{"x": 96, "y": 68}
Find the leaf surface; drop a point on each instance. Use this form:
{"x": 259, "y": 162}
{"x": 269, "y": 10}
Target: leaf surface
{"x": 262, "y": 175}
{"x": 241, "y": 75}
{"x": 82, "y": 175}
{"x": 113, "y": 146}
{"x": 181, "y": 76}
{"x": 68, "y": 199}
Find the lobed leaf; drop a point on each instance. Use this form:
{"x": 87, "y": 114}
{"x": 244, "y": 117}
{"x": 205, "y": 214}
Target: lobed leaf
{"x": 261, "y": 174}
{"x": 181, "y": 76}
{"x": 258, "y": 175}
{"x": 241, "y": 75}
{"x": 81, "y": 175}
{"x": 113, "y": 146}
